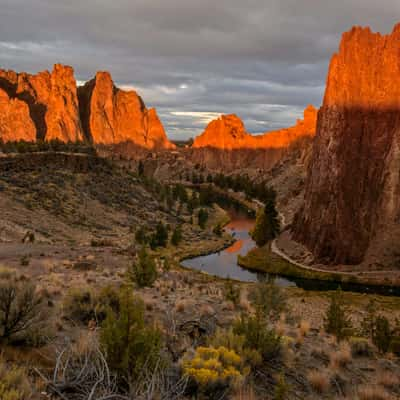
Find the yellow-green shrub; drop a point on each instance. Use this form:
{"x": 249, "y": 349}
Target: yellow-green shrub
{"x": 14, "y": 384}
{"x": 211, "y": 366}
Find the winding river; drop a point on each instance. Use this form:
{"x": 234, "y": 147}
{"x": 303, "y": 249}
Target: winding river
{"x": 224, "y": 263}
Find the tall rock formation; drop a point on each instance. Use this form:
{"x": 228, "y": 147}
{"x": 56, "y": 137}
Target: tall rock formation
{"x": 351, "y": 212}
{"x": 15, "y": 121}
{"x": 111, "y": 116}
{"x": 52, "y": 101}
{"x": 226, "y": 145}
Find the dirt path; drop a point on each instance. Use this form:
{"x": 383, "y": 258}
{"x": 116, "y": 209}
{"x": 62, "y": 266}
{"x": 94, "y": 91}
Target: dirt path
{"x": 280, "y": 253}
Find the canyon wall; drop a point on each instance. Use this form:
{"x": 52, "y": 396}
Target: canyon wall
{"x": 352, "y": 196}
{"x": 49, "y": 106}
{"x": 225, "y": 144}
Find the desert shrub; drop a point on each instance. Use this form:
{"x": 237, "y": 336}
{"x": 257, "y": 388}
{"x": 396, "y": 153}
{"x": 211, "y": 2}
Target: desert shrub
{"x": 395, "y": 345}
{"x": 202, "y": 218}
{"x": 144, "y": 269}
{"x": 258, "y": 336}
{"x": 141, "y": 236}
{"x": 319, "y": 381}
{"x": 214, "y": 369}
{"x": 269, "y": 300}
{"x": 160, "y": 236}
{"x": 368, "y": 322}
{"x": 14, "y": 383}
{"x": 85, "y": 304}
{"x": 25, "y": 261}
{"x": 360, "y": 347}
{"x": 20, "y": 309}
{"x": 382, "y": 335}
{"x": 232, "y": 292}
{"x": 281, "y": 388}
{"x": 336, "y": 321}
{"x": 218, "y": 230}
{"x": 176, "y": 236}
{"x": 131, "y": 347}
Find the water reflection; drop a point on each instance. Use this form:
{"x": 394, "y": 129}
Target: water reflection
{"x": 224, "y": 263}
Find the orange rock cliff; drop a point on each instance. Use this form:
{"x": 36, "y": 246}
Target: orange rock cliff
{"x": 49, "y": 106}
{"x": 352, "y": 200}
{"x": 225, "y": 145}
{"x": 228, "y": 133}
{"x": 110, "y": 115}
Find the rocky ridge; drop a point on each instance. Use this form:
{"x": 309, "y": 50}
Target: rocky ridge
{"x": 49, "y": 106}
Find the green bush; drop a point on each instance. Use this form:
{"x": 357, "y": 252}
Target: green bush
{"x": 281, "y": 388}
{"x": 382, "y": 335}
{"x": 360, "y": 347}
{"x": 232, "y": 292}
{"x": 395, "y": 345}
{"x": 176, "y": 236}
{"x": 20, "y": 309}
{"x": 144, "y": 270}
{"x": 202, "y": 218}
{"x": 258, "y": 336}
{"x": 336, "y": 321}
{"x": 85, "y": 304}
{"x": 131, "y": 347}
{"x": 160, "y": 237}
{"x": 269, "y": 300}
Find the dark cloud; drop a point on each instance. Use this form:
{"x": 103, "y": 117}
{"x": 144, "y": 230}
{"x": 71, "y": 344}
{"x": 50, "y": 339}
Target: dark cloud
{"x": 264, "y": 60}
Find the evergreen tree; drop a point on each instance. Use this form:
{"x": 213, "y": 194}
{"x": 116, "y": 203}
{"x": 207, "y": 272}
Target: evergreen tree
{"x": 141, "y": 236}
{"x": 382, "y": 335}
{"x": 144, "y": 270}
{"x": 131, "y": 347}
{"x": 267, "y": 224}
{"x": 160, "y": 237}
{"x": 141, "y": 168}
{"x": 176, "y": 236}
{"x": 336, "y": 321}
{"x": 202, "y": 218}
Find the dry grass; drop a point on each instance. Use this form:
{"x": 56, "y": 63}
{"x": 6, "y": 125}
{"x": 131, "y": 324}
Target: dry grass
{"x": 181, "y": 305}
{"x": 206, "y": 310}
{"x": 388, "y": 379}
{"x": 245, "y": 393}
{"x": 304, "y": 328}
{"x": 319, "y": 381}
{"x": 228, "y": 306}
{"x": 373, "y": 393}
{"x": 342, "y": 357}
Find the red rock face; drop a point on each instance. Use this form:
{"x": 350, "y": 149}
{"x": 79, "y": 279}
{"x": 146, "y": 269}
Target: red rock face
{"x": 226, "y": 145}
{"x": 15, "y": 121}
{"x": 352, "y": 200}
{"x": 111, "y": 116}
{"x": 52, "y": 101}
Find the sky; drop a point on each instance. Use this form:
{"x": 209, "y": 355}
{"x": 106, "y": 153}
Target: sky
{"x": 193, "y": 60}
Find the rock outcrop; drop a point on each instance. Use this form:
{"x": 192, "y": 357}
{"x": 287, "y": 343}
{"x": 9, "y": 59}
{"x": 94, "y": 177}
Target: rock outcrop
{"x": 15, "y": 121}
{"x": 111, "y": 116}
{"x": 52, "y": 101}
{"x": 45, "y": 106}
{"x": 351, "y": 212}
{"x": 226, "y": 145}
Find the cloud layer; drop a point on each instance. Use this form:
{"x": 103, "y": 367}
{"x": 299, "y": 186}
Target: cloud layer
{"x": 264, "y": 60}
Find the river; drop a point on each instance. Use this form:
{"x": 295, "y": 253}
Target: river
{"x": 224, "y": 263}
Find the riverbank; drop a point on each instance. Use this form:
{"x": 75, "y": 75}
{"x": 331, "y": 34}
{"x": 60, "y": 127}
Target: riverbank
{"x": 264, "y": 260}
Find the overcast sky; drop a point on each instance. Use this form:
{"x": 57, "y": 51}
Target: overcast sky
{"x": 264, "y": 60}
